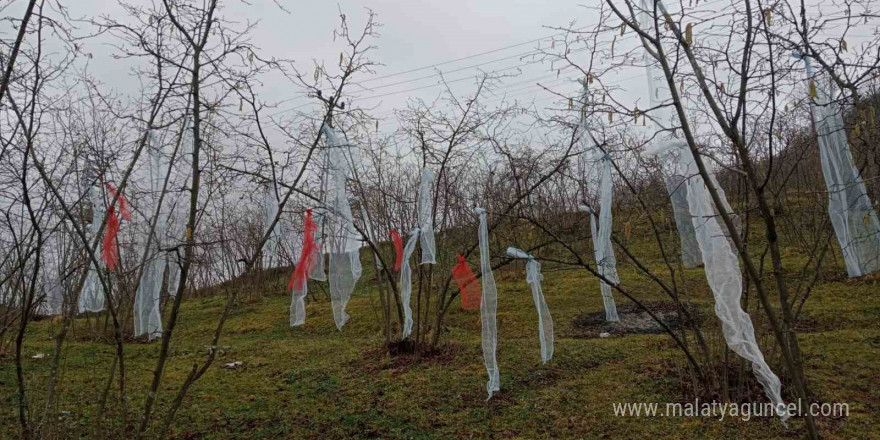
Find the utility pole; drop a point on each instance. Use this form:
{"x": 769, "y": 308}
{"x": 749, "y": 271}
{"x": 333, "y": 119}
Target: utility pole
{"x": 332, "y": 103}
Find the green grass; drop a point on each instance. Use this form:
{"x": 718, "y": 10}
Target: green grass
{"x": 317, "y": 382}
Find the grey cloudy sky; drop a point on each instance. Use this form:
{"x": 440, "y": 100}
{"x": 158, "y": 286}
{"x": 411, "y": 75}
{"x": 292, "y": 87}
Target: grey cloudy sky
{"x": 414, "y": 33}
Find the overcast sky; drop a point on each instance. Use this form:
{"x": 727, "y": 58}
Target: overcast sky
{"x": 414, "y": 33}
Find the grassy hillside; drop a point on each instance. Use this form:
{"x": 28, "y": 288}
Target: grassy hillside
{"x": 317, "y": 382}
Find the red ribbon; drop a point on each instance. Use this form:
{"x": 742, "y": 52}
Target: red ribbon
{"x": 398, "y": 249}
{"x": 110, "y": 248}
{"x": 123, "y": 204}
{"x": 307, "y": 257}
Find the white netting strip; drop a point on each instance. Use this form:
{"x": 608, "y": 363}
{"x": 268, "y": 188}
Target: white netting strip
{"x": 345, "y": 266}
{"x": 488, "y": 308}
{"x": 270, "y": 211}
{"x": 426, "y": 217}
{"x": 664, "y": 115}
{"x": 319, "y": 270}
{"x": 853, "y": 217}
{"x": 605, "y": 260}
{"x": 179, "y": 207}
{"x": 725, "y": 280}
{"x": 147, "y": 317}
{"x": 602, "y": 249}
{"x": 690, "y": 250}
{"x": 54, "y": 263}
{"x": 298, "y": 305}
{"x": 91, "y": 299}
{"x": 371, "y": 233}
{"x": 406, "y": 283}
{"x": 545, "y": 321}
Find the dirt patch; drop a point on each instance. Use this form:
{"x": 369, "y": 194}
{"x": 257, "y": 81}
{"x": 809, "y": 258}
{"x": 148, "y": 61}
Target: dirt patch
{"x": 633, "y": 321}
{"x": 401, "y": 356}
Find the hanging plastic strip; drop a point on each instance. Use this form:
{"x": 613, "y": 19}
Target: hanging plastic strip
{"x": 426, "y": 217}
{"x": 659, "y": 97}
{"x": 853, "y": 216}
{"x": 91, "y": 299}
{"x": 725, "y": 280}
{"x": 344, "y": 240}
{"x": 147, "y": 314}
{"x": 603, "y": 252}
{"x": 299, "y": 283}
{"x": 270, "y": 211}
{"x": 406, "y": 283}
{"x": 488, "y": 308}
{"x": 545, "y": 321}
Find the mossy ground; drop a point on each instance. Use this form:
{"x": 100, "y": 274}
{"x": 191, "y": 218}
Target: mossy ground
{"x": 317, "y": 382}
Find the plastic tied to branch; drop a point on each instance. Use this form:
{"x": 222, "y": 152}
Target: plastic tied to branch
{"x": 398, "y": 249}
{"x": 318, "y": 271}
{"x": 725, "y": 280}
{"x": 488, "y": 308}
{"x": 545, "y": 321}
{"x": 406, "y": 283}
{"x": 147, "y": 314}
{"x": 345, "y": 264}
{"x": 852, "y": 214}
{"x": 298, "y": 284}
{"x": 110, "y": 246}
{"x": 426, "y": 217}
{"x": 91, "y": 299}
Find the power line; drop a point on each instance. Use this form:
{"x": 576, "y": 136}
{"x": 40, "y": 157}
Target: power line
{"x": 470, "y": 56}
{"x": 519, "y": 55}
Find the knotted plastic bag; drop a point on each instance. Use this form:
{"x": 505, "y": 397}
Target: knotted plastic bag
{"x": 545, "y": 321}
{"x": 468, "y": 286}
{"x": 606, "y": 264}
{"x": 179, "y": 206}
{"x": 488, "y": 308}
{"x": 665, "y": 117}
